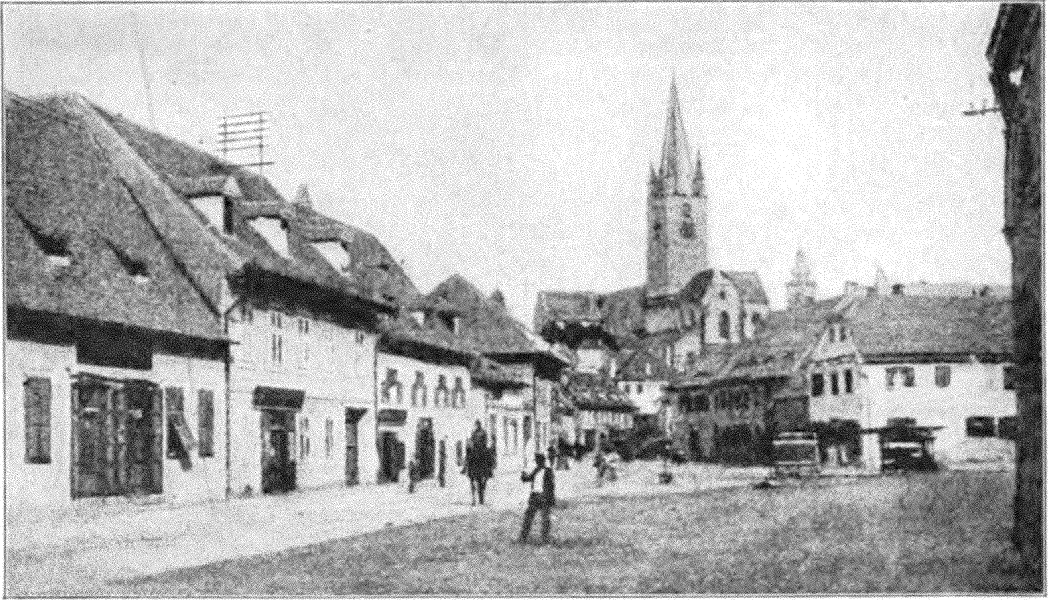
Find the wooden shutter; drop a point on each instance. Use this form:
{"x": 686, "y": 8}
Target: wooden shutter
{"x": 38, "y": 420}
{"x": 206, "y": 422}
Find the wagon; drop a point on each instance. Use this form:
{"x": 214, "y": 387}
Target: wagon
{"x": 796, "y": 454}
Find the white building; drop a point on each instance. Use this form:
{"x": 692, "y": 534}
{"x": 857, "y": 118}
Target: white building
{"x": 942, "y": 362}
{"x": 114, "y": 364}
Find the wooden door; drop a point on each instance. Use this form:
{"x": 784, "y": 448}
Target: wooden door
{"x": 352, "y": 449}
{"x": 90, "y": 437}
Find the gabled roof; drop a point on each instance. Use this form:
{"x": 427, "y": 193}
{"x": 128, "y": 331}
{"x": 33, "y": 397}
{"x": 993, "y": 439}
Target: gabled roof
{"x": 185, "y": 168}
{"x": 747, "y": 282}
{"x": 489, "y": 328}
{"x": 750, "y": 287}
{"x": 73, "y": 182}
{"x": 639, "y": 353}
{"x": 908, "y": 325}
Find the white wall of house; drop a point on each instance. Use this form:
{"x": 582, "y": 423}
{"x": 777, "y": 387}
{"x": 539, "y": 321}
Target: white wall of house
{"x": 451, "y": 424}
{"x": 332, "y": 364}
{"x": 975, "y": 389}
{"x": 32, "y": 486}
{"x": 645, "y": 395}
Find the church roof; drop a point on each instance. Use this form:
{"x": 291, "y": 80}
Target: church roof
{"x": 747, "y": 282}
{"x": 675, "y": 163}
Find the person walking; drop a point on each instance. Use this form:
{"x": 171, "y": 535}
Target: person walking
{"x": 442, "y": 463}
{"x": 541, "y": 500}
{"x": 478, "y": 467}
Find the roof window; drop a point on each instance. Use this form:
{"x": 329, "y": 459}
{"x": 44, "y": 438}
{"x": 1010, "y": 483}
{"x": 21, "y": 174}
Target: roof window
{"x": 274, "y": 230}
{"x": 336, "y": 253}
{"x": 55, "y": 247}
{"x": 136, "y": 268}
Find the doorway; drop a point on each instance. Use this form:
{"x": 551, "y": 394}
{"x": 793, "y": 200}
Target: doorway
{"x": 278, "y": 438}
{"x": 390, "y": 457}
{"x": 352, "y": 445}
{"x": 425, "y": 448}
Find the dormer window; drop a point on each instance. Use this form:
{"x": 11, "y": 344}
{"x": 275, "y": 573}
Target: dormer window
{"x": 136, "y": 268}
{"x": 217, "y": 210}
{"x": 419, "y": 317}
{"x": 456, "y": 325}
{"x": 336, "y": 253}
{"x": 274, "y": 231}
{"x": 55, "y": 248}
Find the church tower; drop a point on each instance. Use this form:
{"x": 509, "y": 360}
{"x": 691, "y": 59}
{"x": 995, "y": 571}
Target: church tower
{"x": 800, "y": 290}
{"x": 676, "y": 210}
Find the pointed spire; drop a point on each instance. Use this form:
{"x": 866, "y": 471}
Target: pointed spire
{"x": 801, "y": 289}
{"x": 698, "y": 183}
{"x": 675, "y": 162}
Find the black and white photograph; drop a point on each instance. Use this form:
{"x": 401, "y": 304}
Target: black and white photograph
{"x": 522, "y": 299}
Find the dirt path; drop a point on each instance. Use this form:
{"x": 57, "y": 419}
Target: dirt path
{"x": 78, "y": 552}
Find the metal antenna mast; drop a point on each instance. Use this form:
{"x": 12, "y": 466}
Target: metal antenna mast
{"x": 245, "y": 132}
{"x": 978, "y": 112}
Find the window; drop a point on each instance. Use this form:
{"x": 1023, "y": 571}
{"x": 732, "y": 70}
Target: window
{"x": 756, "y": 319}
{"x": 276, "y": 319}
{"x": 418, "y": 390}
{"x": 37, "y": 392}
{"x": 640, "y": 388}
{"x": 724, "y": 324}
{"x": 833, "y": 333}
{"x": 909, "y": 378}
{"x": 505, "y": 432}
{"x": 514, "y": 427}
{"x": 690, "y": 360}
{"x": 179, "y": 439}
{"x": 526, "y": 434}
{"x": 835, "y": 387}
{"x": 942, "y": 375}
{"x": 247, "y": 314}
{"x": 329, "y": 436}
{"x": 303, "y": 439}
{"x": 1007, "y": 428}
{"x": 458, "y": 453}
{"x": 206, "y": 422}
{"x": 849, "y": 384}
{"x": 703, "y": 403}
{"x": 722, "y": 295}
{"x": 458, "y": 393}
{"x": 1009, "y": 378}
{"x": 440, "y": 396}
{"x": 817, "y": 383}
{"x": 276, "y": 348}
{"x": 979, "y": 427}
{"x": 843, "y": 334}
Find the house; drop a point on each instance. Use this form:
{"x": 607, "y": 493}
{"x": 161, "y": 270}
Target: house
{"x": 737, "y": 396}
{"x": 600, "y": 409}
{"x": 115, "y": 355}
{"x": 642, "y": 376}
{"x": 1016, "y": 57}
{"x": 425, "y": 405}
{"x": 938, "y": 362}
{"x": 301, "y": 386}
{"x": 520, "y": 420}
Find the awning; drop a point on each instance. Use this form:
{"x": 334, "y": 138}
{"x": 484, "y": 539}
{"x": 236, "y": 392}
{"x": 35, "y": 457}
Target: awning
{"x": 268, "y": 397}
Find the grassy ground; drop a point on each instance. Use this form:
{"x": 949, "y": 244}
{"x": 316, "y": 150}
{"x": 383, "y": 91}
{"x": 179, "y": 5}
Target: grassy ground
{"x": 931, "y": 533}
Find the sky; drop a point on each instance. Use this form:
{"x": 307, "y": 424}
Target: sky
{"x": 510, "y": 143}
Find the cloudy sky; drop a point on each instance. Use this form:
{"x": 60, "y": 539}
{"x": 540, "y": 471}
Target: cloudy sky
{"x": 510, "y": 143}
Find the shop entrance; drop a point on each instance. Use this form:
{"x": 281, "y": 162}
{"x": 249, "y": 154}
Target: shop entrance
{"x": 278, "y": 439}
{"x": 117, "y": 437}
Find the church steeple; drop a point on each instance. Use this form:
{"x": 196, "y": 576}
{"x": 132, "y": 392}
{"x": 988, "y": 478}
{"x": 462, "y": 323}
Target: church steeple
{"x": 698, "y": 183}
{"x": 675, "y": 162}
{"x": 800, "y": 290}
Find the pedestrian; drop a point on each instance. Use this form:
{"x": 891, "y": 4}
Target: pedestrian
{"x": 599, "y": 463}
{"x": 478, "y": 467}
{"x": 412, "y": 475}
{"x": 442, "y": 458}
{"x": 541, "y": 500}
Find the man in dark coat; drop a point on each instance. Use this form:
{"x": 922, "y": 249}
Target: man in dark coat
{"x": 539, "y": 500}
{"x": 478, "y": 465}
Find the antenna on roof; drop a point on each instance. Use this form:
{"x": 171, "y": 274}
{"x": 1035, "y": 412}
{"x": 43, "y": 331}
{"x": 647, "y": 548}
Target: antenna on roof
{"x": 245, "y": 132}
{"x": 147, "y": 79}
{"x": 978, "y": 112}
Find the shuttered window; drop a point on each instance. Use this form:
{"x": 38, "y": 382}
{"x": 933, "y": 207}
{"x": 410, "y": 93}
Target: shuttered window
{"x": 206, "y": 422}
{"x": 38, "y": 420}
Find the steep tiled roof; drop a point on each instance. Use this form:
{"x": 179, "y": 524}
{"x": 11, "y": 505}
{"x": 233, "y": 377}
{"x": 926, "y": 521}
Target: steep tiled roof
{"x": 489, "y": 328}
{"x": 750, "y": 287}
{"x": 191, "y": 171}
{"x": 885, "y": 325}
{"x": 552, "y": 306}
{"x": 489, "y": 373}
{"x": 74, "y": 188}
{"x": 639, "y": 353}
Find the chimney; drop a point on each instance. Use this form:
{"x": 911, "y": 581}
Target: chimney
{"x": 302, "y": 196}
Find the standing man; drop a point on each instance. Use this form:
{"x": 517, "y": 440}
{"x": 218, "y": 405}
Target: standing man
{"x": 478, "y": 467}
{"x": 538, "y": 500}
